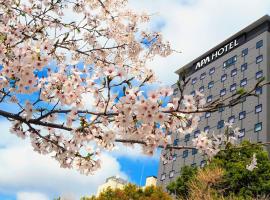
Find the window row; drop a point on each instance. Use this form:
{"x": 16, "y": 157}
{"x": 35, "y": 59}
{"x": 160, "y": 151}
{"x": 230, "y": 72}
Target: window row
{"x": 233, "y": 72}
{"x": 243, "y": 82}
{"x": 220, "y": 124}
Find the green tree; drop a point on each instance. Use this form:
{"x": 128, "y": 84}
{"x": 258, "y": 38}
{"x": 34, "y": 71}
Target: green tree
{"x": 236, "y": 182}
{"x": 132, "y": 192}
{"x": 180, "y": 187}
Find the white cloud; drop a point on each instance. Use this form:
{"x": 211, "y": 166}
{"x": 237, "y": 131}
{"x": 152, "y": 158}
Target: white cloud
{"x": 31, "y": 196}
{"x": 134, "y": 153}
{"x": 22, "y": 169}
{"x": 194, "y": 27}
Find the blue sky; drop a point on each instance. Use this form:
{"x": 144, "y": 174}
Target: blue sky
{"x": 193, "y": 27}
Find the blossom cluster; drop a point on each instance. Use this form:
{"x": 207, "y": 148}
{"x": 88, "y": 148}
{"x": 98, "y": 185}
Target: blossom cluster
{"x": 212, "y": 144}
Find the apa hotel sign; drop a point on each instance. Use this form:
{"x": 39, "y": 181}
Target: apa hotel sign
{"x": 219, "y": 52}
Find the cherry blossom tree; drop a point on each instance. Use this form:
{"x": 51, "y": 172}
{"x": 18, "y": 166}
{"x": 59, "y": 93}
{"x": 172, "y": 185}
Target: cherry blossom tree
{"x": 57, "y": 56}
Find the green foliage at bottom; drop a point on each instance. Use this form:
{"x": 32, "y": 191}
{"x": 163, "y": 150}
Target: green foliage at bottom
{"x": 132, "y": 192}
{"x": 236, "y": 183}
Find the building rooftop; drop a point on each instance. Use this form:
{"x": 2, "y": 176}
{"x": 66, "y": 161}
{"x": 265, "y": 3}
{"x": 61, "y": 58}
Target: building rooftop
{"x": 250, "y": 30}
{"x": 117, "y": 179}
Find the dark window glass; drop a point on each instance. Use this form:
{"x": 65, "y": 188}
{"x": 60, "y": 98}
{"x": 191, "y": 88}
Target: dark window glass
{"x": 245, "y": 52}
{"x": 220, "y": 124}
{"x": 206, "y": 129}
{"x": 259, "y": 59}
{"x": 258, "y": 90}
{"x": 244, "y": 67}
{"x": 209, "y": 99}
{"x": 196, "y": 133}
{"x": 194, "y": 151}
{"x": 203, "y": 75}
{"x": 171, "y": 174}
{"x": 233, "y": 87}
{"x": 174, "y": 157}
{"x": 230, "y": 61}
{"x": 201, "y": 89}
{"x": 231, "y": 119}
{"x": 259, "y": 74}
{"x": 221, "y": 109}
{"x": 194, "y": 81}
{"x": 243, "y": 82}
{"x": 222, "y": 92}
{"x": 242, "y": 133}
{"x": 193, "y": 165}
{"x": 259, "y": 44}
{"x": 242, "y": 115}
{"x": 207, "y": 114}
{"x": 175, "y": 90}
{"x": 258, "y": 108}
{"x": 185, "y": 153}
{"x": 210, "y": 84}
{"x": 175, "y": 142}
{"x": 212, "y": 71}
{"x": 203, "y": 163}
{"x": 258, "y": 127}
{"x": 187, "y": 136}
{"x": 233, "y": 72}
{"x": 163, "y": 176}
{"x": 223, "y": 77}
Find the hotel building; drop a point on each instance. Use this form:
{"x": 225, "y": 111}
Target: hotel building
{"x": 239, "y": 61}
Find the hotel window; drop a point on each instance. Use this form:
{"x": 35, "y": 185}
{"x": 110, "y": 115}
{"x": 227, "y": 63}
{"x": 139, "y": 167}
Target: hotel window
{"x": 259, "y": 74}
{"x": 174, "y": 157}
{"x": 258, "y": 90}
{"x": 258, "y": 108}
{"x": 245, "y": 52}
{"x": 220, "y": 124}
{"x": 175, "y": 142}
{"x": 259, "y": 44}
{"x": 193, "y": 165}
{"x": 243, "y": 82}
{"x": 194, "y": 81}
{"x": 242, "y": 133}
{"x": 231, "y": 119}
{"x": 221, "y": 109}
{"x": 187, "y": 136}
{"x": 244, "y": 67}
{"x": 230, "y": 61}
{"x": 171, "y": 174}
{"x": 210, "y": 84}
{"x": 206, "y": 129}
{"x": 207, "y": 114}
{"x": 185, "y": 153}
{"x": 203, "y": 75}
{"x": 259, "y": 59}
{"x": 175, "y": 91}
{"x": 192, "y": 93}
{"x": 258, "y": 127}
{"x": 242, "y": 115}
{"x": 196, "y": 133}
{"x": 222, "y": 92}
{"x": 233, "y": 72}
{"x": 194, "y": 151}
{"x": 212, "y": 71}
{"x": 163, "y": 176}
{"x": 233, "y": 87}
{"x": 203, "y": 163}
{"x": 209, "y": 99}
{"x": 201, "y": 89}
{"x": 223, "y": 77}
